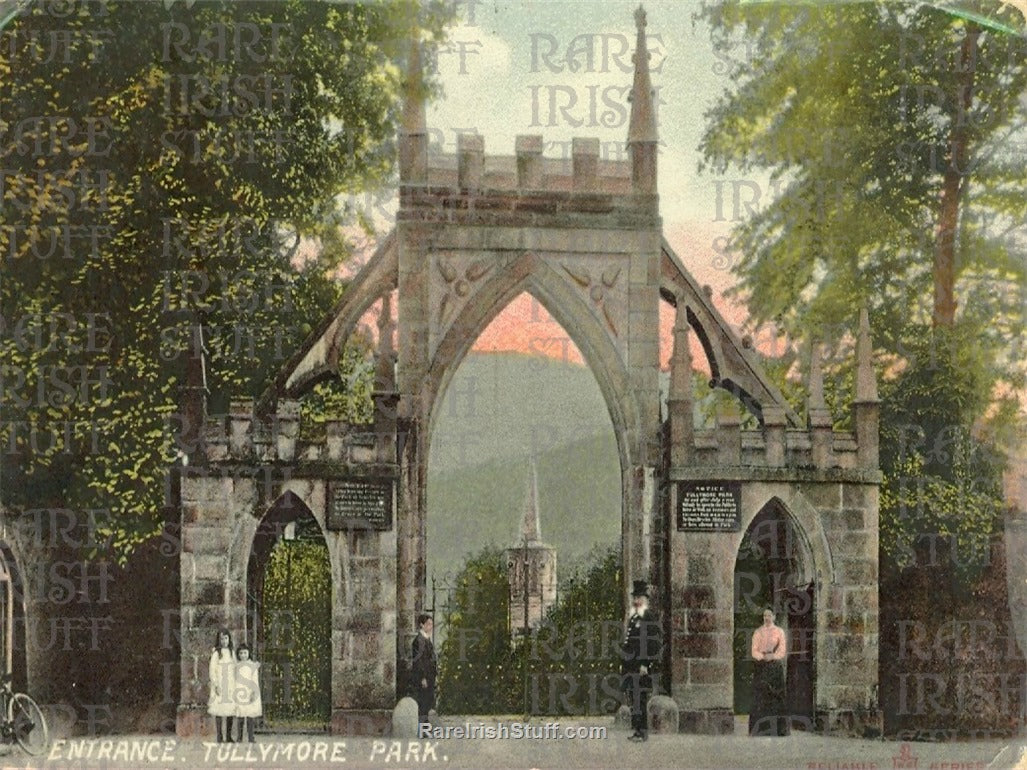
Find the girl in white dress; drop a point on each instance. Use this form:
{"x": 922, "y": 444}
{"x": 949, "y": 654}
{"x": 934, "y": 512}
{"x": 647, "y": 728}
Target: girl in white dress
{"x": 248, "y": 704}
{"x": 221, "y": 701}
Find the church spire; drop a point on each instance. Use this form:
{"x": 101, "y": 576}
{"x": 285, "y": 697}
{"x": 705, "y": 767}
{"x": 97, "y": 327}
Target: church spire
{"x": 532, "y": 567}
{"x": 531, "y": 529}
{"x": 642, "y": 137}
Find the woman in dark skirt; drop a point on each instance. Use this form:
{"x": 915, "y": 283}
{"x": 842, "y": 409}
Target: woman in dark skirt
{"x": 769, "y": 650}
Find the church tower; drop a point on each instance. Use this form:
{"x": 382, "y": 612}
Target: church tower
{"x": 532, "y": 566}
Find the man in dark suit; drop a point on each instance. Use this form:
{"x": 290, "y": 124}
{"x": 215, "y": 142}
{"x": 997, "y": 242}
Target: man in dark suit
{"x": 641, "y": 650}
{"x": 424, "y": 667}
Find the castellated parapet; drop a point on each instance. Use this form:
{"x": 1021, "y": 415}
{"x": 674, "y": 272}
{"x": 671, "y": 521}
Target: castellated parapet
{"x": 580, "y": 170}
{"x": 240, "y": 437}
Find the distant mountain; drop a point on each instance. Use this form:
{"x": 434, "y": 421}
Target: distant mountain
{"x": 506, "y": 405}
{"x": 579, "y": 494}
{"x": 499, "y": 409}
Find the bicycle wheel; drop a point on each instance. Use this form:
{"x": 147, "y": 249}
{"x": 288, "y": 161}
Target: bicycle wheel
{"x": 28, "y": 724}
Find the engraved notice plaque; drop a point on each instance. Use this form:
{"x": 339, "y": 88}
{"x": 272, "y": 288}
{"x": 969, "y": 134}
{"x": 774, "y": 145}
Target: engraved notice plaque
{"x": 360, "y": 504}
{"x": 709, "y": 506}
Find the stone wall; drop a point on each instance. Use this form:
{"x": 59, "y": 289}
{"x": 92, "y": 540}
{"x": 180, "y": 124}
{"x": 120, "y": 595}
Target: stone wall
{"x": 848, "y": 645}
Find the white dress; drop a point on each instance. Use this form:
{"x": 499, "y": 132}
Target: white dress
{"x": 221, "y": 701}
{"x": 247, "y": 689}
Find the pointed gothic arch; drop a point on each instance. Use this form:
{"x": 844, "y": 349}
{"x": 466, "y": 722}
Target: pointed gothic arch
{"x": 534, "y": 276}
{"x": 289, "y": 523}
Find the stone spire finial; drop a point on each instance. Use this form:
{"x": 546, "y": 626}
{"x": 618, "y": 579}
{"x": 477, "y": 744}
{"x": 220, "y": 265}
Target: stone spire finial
{"x": 679, "y": 395}
{"x": 866, "y": 380}
{"x": 385, "y": 372}
{"x": 817, "y": 413}
{"x": 642, "y": 126}
{"x": 816, "y": 378}
{"x": 413, "y": 131}
{"x": 194, "y": 397}
{"x": 681, "y": 357}
{"x": 531, "y": 528}
{"x": 867, "y": 405}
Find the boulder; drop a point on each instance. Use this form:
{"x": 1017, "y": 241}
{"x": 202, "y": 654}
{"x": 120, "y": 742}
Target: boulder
{"x": 404, "y": 719}
{"x": 663, "y": 714}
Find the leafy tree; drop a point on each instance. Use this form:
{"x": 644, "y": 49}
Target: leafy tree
{"x": 570, "y": 665}
{"x": 173, "y": 166}
{"x": 904, "y": 195}
{"x": 942, "y": 484}
{"x": 945, "y": 616}
{"x": 884, "y": 129}
{"x": 575, "y": 655}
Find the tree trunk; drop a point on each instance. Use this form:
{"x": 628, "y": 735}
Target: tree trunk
{"x": 952, "y": 184}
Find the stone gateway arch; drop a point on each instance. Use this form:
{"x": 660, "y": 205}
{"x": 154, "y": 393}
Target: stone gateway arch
{"x": 584, "y": 237}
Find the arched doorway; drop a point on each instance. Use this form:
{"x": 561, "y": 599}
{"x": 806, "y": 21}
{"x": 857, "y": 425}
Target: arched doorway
{"x": 523, "y": 457}
{"x": 774, "y": 569}
{"x": 289, "y": 590}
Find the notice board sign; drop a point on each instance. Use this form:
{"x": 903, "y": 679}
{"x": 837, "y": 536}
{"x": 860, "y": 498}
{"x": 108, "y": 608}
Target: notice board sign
{"x": 360, "y": 503}
{"x": 709, "y": 506}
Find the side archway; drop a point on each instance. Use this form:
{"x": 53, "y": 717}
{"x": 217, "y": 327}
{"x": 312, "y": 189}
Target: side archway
{"x": 288, "y": 582}
{"x": 776, "y": 567}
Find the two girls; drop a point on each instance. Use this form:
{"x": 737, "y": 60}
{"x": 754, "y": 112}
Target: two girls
{"x": 234, "y": 688}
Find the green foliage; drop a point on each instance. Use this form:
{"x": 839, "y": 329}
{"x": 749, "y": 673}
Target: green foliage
{"x": 184, "y": 203}
{"x": 297, "y": 617}
{"x": 848, "y": 117}
{"x": 478, "y": 672}
{"x": 848, "y": 109}
{"x": 941, "y": 480}
{"x": 852, "y": 221}
{"x": 570, "y": 664}
{"x": 575, "y": 655}
{"x": 344, "y": 397}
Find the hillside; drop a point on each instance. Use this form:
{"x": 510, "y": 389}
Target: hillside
{"x": 505, "y": 405}
{"x": 499, "y": 409}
